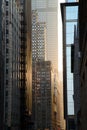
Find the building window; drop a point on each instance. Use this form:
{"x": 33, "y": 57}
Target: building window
{"x": 6, "y": 82}
{"x": 6, "y": 71}
{"x": 6, "y": 104}
{"x": 7, "y": 60}
{"x": 6, "y": 93}
{"x": 7, "y": 41}
{"x": 6, "y": 115}
{"x": 6, "y": 3}
{"x": 6, "y": 31}
{"x": 83, "y": 76}
{"x": 6, "y": 22}
{"x": 6, "y": 50}
{"x": 7, "y": 13}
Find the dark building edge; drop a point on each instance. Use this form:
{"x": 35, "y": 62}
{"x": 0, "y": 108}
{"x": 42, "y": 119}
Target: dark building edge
{"x": 63, "y": 5}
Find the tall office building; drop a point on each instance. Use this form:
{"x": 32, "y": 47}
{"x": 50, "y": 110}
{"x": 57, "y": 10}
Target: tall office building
{"x": 11, "y": 51}
{"x": 44, "y": 83}
{"x": 45, "y": 96}
{"x": 38, "y": 38}
{"x": 15, "y": 65}
{"x": 47, "y": 12}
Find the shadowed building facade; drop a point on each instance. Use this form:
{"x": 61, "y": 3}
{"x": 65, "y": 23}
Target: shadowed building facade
{"x": 11, "y": 51}
{"x": 75, "y": 68}
{"x": 83, "y": 64}
{"x": 1, "y": 74}
{"x": 16, "y": 57}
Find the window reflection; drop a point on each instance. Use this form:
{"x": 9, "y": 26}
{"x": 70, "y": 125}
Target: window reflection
{"x": 71, "y": 20}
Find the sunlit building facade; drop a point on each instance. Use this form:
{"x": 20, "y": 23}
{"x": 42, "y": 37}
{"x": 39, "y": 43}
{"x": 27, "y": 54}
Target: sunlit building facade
{"x": 45, "y": 94}
{"x": 47, "y": 12}
{"x": 38, "y": 38}
{"x": 44, "y": 83}
{"x": 26, "y": 66}
{"x": 28, "y": 29}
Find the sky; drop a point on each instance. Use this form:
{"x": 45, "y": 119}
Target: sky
{"x": 60, "y": 42}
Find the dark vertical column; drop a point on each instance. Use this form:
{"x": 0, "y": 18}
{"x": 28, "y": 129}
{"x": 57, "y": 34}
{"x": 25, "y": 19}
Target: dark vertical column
{"x": 1, "y": 74}
{"x": 26, "y": 89}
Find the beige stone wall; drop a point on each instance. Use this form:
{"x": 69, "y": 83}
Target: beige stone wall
{"x": 60, "y": 101}
{"x": 28, "y": 56}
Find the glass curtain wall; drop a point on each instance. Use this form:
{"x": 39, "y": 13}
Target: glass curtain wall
{"x": 70, "y": 22}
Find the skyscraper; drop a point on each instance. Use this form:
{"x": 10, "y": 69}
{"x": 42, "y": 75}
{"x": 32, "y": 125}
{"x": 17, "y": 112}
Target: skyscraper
{"x": 11, "y": 51}
{"x": 15, "y": 65}
{"x": 38, "y": 38}
{"x": 47, "y": 12}
{"x": 45, "y": 94}
{"x": 44, "y": 83}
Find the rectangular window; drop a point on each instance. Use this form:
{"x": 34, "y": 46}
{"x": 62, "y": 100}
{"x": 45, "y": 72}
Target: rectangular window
{"x": 6, "y": 82}
{"x": 7, "y": 41}
{"x": 6, "y": 3}
{"x": 6, "y": 31}
{"x": 6, "y": 93}
{"x": 6, "y": 12}
{"x": 7, "y": 60}
{"x": 6, "y": 22}
{"x": 6, "y": 104}
{"x": 6, "y": 50}
{"x": 6, "y": 71}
